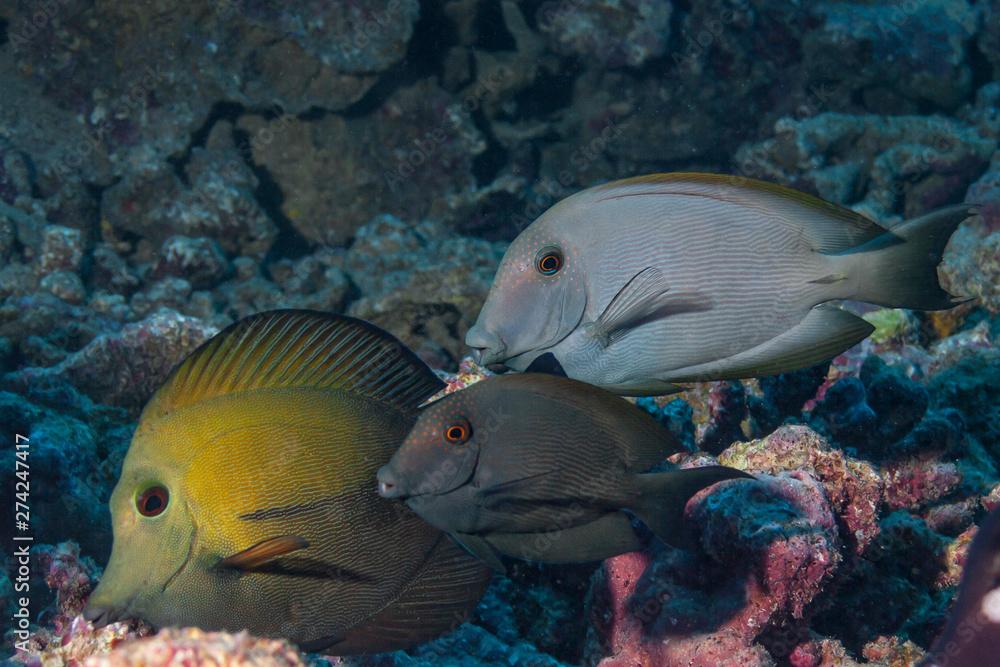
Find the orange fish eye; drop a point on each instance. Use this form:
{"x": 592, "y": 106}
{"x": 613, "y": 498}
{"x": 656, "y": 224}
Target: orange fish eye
{"x": 152, "y": 501}
{"x": 549, "y": 261}
{"x": 458, "y": 433}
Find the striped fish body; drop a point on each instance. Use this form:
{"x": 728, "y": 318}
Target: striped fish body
{"x": 570, "y": 440}
{"x": 262, "y": 448}
{"x": 681, "y": 277}
{"x": 543, "y": 455}
{"x": 735, "y": 276}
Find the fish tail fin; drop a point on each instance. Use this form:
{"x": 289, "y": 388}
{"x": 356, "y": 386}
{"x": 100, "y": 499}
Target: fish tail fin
{"x": 899, "y": 268}
{"x": 661, "y": 498}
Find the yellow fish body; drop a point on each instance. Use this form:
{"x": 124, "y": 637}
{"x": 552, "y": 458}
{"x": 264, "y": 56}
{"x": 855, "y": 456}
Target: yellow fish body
{"x": 247, "y": 500}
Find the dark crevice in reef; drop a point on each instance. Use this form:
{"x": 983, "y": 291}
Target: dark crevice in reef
{"x": 549, "y": 92}
{"x": 531, "y": 10}
{"x": 313, "y": 113}
{"x": 491, "y": 31}
{"x": 221, "y": 111}
{"x": 3, "y": 32}
{"x": 433, "y": 35}
{"x": 268, "y": 194}
{"x": 289, "y": 243}
{"x": 493, "y": 218}
{"x": 676, "y": 43}
{"x": 96, "y": 193}
{"x": 488, "y": 164}
{"x": 982, "y": 68}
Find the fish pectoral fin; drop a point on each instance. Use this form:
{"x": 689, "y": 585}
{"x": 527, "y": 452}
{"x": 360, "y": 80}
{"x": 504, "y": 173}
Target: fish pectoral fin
{"x": 481, "y": 549}
{"x": 263, "y": 552}
{"x": 538, "y": 487}
{"x": 635, "y": 301}
{"x": 644, "y": 298}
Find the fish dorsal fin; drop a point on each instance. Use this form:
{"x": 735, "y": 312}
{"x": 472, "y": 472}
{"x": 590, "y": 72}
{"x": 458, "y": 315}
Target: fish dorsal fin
{"x": 830, "y": 228}
{"x": 298, "y": 349}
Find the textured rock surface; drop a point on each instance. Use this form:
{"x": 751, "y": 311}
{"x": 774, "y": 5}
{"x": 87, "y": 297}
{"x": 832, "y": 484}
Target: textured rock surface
{"x": 772, "y": 543}
{"x": 852, "y": 486}
{"x": 126, "y": 367}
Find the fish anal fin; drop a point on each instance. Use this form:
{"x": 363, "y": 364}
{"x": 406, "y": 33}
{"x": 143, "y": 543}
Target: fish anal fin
{"x": 479, "y": 547}
{"x": 643, "y": 387}
{"x": 439, "y": 598}
{"x": 299, "y": 348}
{"x": 263, "y": 552}
{"x": 823, "y": 333}
{"x": 604, "y": 537}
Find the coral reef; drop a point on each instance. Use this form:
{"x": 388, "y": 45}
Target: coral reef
{"x": 769, "y": 563}
{"x": 125, "y": 367}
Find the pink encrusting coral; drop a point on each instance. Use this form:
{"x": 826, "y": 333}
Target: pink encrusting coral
{"x": 852, "y": 486}
{"x": 188, "y": 647}
{"x": 771, "y": 544}
{"x": 69, "y": 639}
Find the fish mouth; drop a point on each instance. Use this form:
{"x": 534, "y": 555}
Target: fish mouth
{"x": 389, "y": 486}
{"x": 487, "y": 347}
{"x": 104, "y": 615}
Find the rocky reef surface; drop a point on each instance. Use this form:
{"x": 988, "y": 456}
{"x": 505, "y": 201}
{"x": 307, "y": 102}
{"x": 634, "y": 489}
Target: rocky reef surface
{"x": 164, "y": 172}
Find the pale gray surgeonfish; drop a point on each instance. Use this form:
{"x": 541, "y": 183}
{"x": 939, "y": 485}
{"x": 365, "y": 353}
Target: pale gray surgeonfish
{"x": 642, "y": 283}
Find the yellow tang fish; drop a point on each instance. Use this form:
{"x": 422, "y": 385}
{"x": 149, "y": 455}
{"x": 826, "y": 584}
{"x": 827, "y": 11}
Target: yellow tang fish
{"x": 247, "y": 498}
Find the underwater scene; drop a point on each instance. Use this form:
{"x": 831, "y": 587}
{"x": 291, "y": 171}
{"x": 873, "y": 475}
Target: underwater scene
{"x": 535, "y": 333}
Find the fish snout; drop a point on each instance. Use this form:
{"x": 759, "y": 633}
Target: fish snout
{"x": 388, "y": 483}
{"x": 101, "y": 615}
{"x": 488, "y": 347}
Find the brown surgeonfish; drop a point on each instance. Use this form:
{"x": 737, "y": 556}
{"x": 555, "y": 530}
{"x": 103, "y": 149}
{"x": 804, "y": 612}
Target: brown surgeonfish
{"x": 246, "y": 502}
{"x": 540, "y": 467}
{"x": 971, "y": 637}
{"x": 642, "y": 283}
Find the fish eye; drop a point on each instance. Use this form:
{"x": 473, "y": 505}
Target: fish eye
{"x": 152, "y": 501}
{"x": 458, "y": 433}
{"x": 549, "y": 261}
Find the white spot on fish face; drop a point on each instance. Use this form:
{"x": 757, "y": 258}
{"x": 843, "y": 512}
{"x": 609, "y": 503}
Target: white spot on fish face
{"x": 991, "y": 606}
